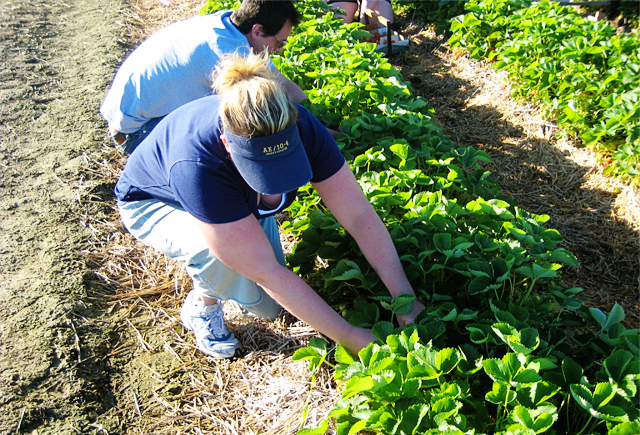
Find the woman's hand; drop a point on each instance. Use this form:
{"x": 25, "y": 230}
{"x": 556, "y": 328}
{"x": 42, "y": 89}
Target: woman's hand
{"x": 358, "y": 340}
{"x": 405, "y": 319}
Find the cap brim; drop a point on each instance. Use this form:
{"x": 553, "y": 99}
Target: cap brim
{"x": 271, "y": 164}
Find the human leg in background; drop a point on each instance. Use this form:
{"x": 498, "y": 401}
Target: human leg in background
{"x": 170, "y": 230}
{"x": 381, "y": 7}
{"x": 349, "y": 6}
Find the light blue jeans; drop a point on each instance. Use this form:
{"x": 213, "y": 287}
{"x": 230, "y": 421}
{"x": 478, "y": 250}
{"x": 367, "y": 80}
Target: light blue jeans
{"x": 132, "y": 140}
{"x": 170, "y": 230}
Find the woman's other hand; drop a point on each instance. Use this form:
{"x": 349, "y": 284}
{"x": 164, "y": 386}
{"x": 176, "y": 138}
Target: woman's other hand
{"x": 406, "y": 319}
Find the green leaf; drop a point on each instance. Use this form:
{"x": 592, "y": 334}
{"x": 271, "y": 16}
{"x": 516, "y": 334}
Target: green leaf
{"x": 382, "y": 330}
{"x": 500, "y": 394}
{"x": 401, "y": 304}
{"x": 610, "y": 413}
{"x": 527, "y": 377}
{"x": 627, "y": 428}
{"x": 447, "y": 360}
{"x": 343, "y": 356}
{"x": 503, "y": 330}
{"x": 431, "y": 330}
{"x": 497, "y": 370}
{"x": 398, "y": 345}
{"x": 534, "y": 395}
{"x": 358, "y": 427}
{"x": 445, "y": 407}
{"x": 582, "y": 396}
{"x": 617, "y": 365}
{"x": 442, "y": 241}
{"x": 599, "y": 316}
{"x": 529, "y": 338}
{"x": 358, "y": 385}
{"x": 603, "y": 394}
{"x": 423, "y": 372}
{"x": 527, "y": 418}
{"x": 564, "y": 256}
{"x": 315, "y": 353}
{"x": 411, "y": 418}
{"x": 320, "y": 430}
{"x": 481, "y": 285}
{"x": 480, "y": 333}
{"x": 571, "y": 371}
{"x": 389, "y": 393}
{"x": 523, "y": 416}
{"x": 381, "y": 365}
{"x": 401, "y": 150}
{"x": 616, "y": 316}
{"x": 514, "y": 362}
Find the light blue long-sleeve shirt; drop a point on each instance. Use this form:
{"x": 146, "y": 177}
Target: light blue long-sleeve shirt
{"x": 170, "y": 68}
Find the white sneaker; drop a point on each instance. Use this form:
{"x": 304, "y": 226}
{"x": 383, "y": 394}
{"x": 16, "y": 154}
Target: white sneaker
{"x": 207, "y": 322}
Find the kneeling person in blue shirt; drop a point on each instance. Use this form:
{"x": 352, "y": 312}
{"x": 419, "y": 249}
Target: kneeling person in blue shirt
{"x": 203, "y": 187}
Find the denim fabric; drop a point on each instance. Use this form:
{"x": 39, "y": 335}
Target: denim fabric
{"x": 171, "y": 231}
{"x": 134, "y": 139}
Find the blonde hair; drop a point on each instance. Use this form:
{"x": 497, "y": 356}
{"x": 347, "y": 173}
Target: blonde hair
{"x": 253, "y": 104}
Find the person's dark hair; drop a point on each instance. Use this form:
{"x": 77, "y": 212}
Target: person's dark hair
{"x": 272, "y": 14}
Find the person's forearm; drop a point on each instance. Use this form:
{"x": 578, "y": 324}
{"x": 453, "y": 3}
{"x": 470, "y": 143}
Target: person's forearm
{"x": 290, "y": 291}
{"x": 375, "y": 242}
{"x": 377, "y": 246}
{"x": 294, "y": 91}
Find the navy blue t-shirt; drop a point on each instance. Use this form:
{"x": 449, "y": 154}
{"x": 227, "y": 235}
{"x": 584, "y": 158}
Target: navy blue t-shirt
{"x": 183, "y": 162}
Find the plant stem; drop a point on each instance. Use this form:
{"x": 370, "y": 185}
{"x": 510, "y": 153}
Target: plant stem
{"x": 595, "y": 424}
{"x": 526, "y": 295}
{"x": 586, "y": 424}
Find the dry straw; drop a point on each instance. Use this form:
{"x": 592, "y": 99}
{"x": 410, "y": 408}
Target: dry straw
{"x": 163, "y": 384}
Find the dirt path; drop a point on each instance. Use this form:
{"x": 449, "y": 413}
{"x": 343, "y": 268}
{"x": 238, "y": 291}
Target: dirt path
{"x": 57, "y": 60}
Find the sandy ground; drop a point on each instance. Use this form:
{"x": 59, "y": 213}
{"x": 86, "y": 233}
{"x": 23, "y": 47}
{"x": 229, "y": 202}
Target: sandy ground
{"x": 57, "y": 60}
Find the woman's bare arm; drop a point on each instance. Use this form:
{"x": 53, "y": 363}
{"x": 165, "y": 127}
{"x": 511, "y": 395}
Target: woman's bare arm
{"x": 243, "y": 246}
{"x": 345, "y": 199}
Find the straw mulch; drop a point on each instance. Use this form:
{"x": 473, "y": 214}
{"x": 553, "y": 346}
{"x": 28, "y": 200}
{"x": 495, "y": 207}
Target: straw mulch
{"x": 163, "y": 384}
{"x": 598, "y": 217}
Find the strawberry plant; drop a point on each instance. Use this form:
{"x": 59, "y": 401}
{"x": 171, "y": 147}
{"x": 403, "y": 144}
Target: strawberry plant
{"x": 579, "y": 71}
{"x": 410, "y": 381}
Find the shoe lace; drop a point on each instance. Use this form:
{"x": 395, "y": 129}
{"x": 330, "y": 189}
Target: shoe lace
{"x": 215, "y": 321}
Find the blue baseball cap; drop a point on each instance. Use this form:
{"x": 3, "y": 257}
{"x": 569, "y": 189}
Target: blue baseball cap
{"x": 271, "y": 164}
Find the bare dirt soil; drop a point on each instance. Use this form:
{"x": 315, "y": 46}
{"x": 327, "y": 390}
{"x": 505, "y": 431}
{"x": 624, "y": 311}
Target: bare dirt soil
{"x": 57, "y": 60}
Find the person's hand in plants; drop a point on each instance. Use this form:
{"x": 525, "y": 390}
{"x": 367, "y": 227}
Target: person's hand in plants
{"x": 406, "y": 319}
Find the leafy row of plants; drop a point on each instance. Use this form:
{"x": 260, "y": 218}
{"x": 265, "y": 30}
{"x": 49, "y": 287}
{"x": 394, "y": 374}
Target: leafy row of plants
{"x": 502, "y": 346}
{"x": 441, "y": 11}
{"x": 581, "y": 72}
